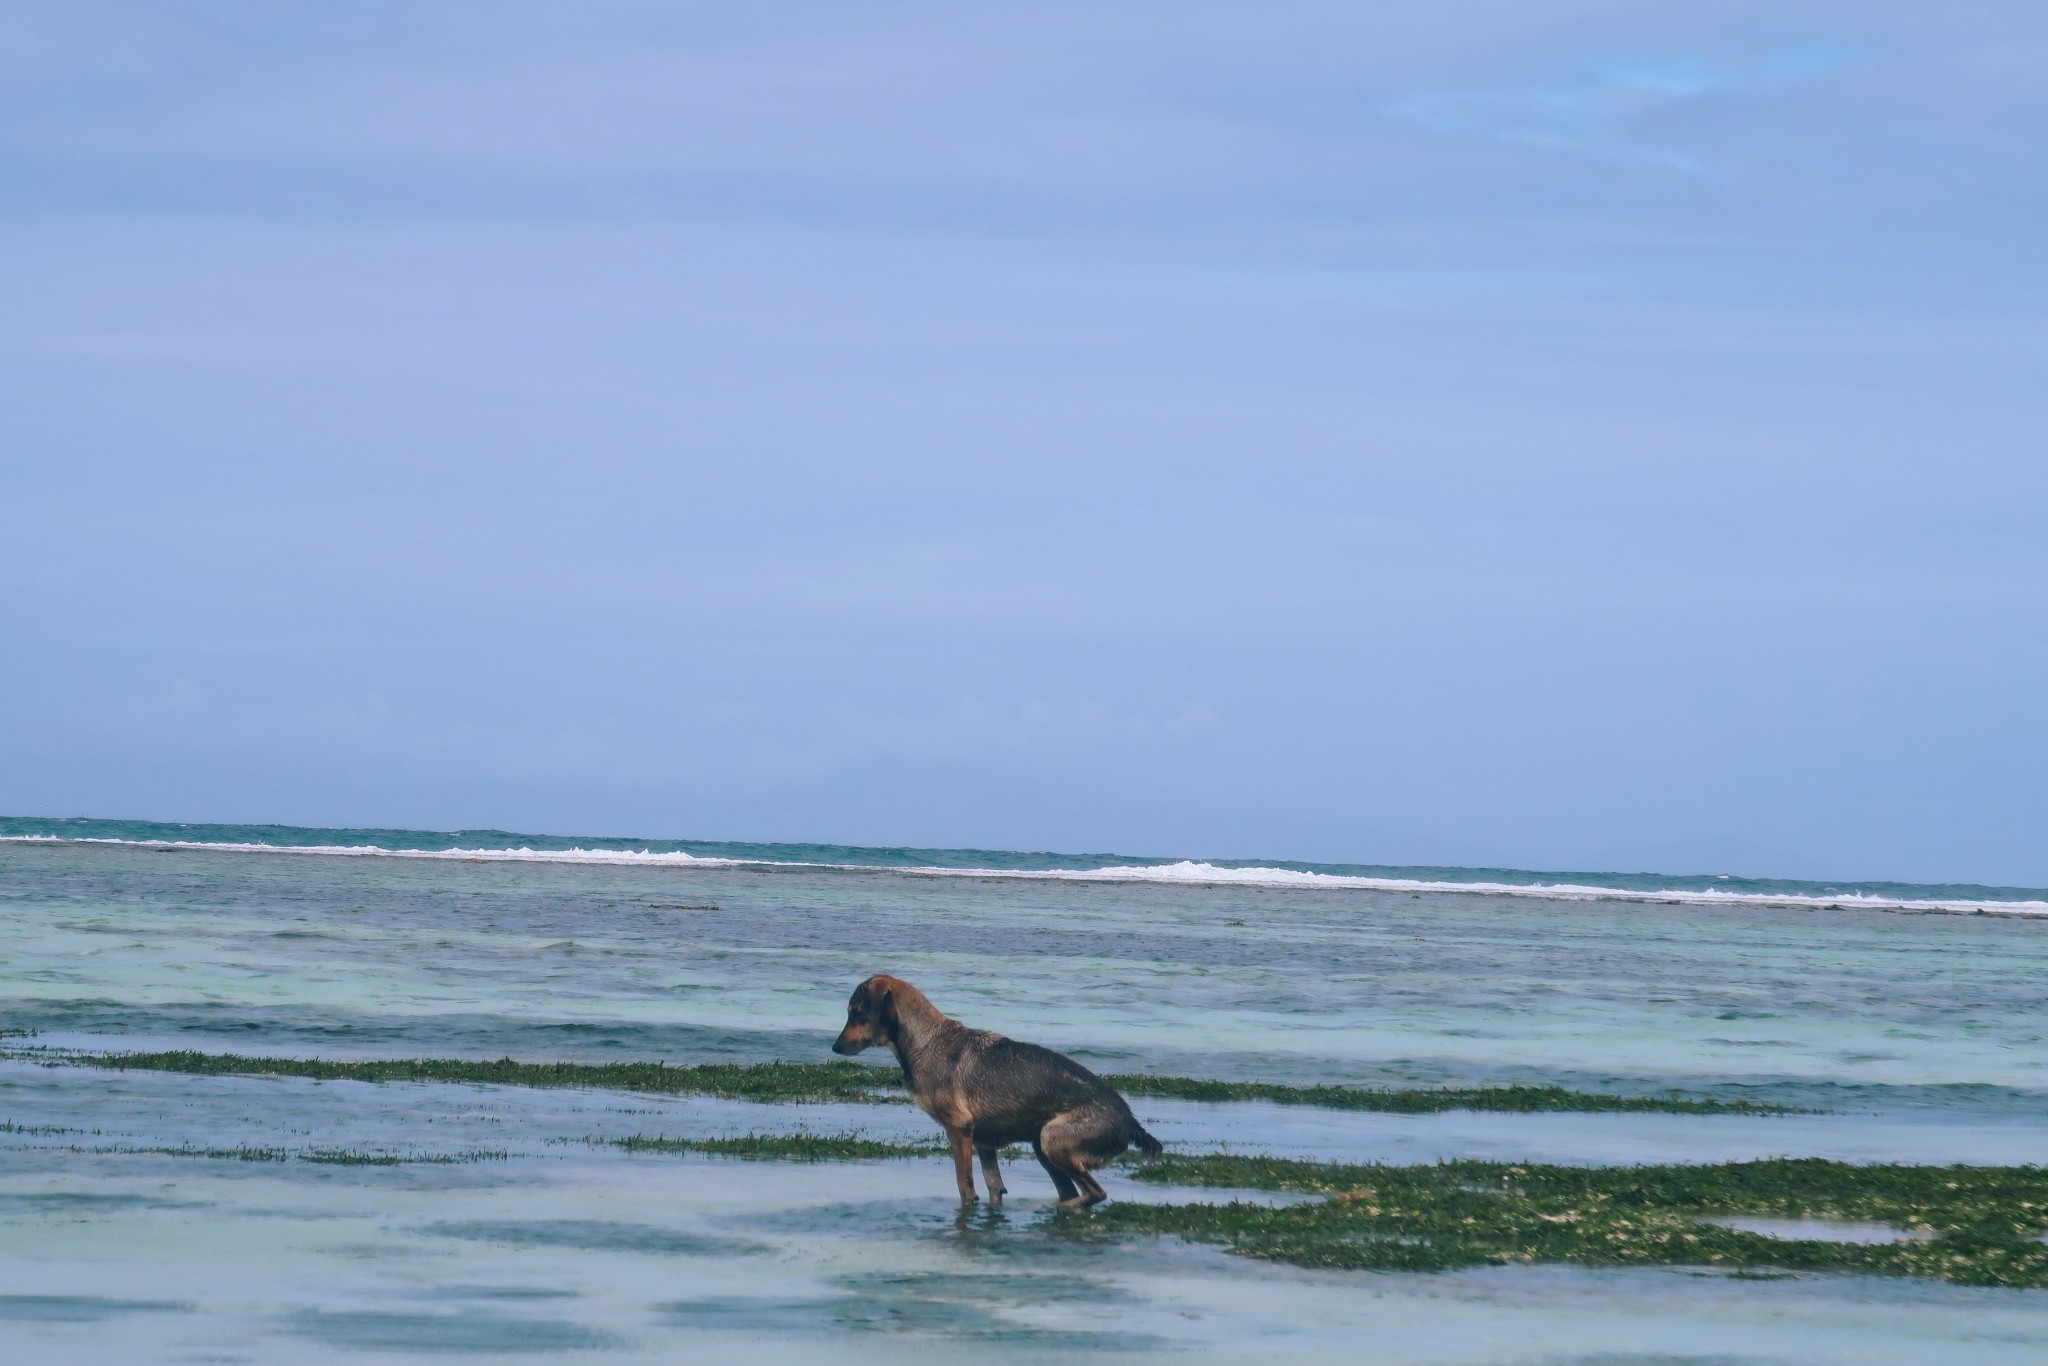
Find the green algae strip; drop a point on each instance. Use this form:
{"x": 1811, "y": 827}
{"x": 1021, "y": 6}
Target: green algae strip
{"x": 1433, "y": 1100}
{"x": 1986, "y": 1222}
{"x": 768, "y": 1081}
{"x": 781, "y": 1147}
{"x": 859, "y": 1083}
{"x": 332, "y": 1157}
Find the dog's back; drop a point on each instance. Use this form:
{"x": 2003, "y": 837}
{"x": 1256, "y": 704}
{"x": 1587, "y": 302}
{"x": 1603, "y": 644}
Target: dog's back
{"x": 1015, "y": 1089}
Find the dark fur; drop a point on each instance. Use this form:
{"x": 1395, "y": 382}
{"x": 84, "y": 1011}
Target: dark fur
{"x": 987, "y": 1091}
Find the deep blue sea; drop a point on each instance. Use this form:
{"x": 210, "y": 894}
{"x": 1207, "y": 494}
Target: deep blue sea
{"x": 1912, "y": 1020}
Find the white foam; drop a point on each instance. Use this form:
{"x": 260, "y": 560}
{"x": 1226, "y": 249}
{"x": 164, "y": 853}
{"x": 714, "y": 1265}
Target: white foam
{"x": 1186, "y": 872}
{"x": 520, "y": 855}
{"x": 1209, "y": 874}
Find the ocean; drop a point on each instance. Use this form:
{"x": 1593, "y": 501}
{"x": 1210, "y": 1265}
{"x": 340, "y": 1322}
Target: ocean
{"x": 164, "y": 1215}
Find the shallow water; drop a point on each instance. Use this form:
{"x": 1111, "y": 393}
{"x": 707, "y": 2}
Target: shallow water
{"x": 647, "y": 1258}
{"x": 1922, "y": 1035}
{"x": 1822, "y": 1230}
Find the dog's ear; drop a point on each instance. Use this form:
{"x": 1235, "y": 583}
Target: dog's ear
{"x": 885, "y": 1006}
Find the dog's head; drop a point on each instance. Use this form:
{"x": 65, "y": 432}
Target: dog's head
{"x": 870, "y": 1016}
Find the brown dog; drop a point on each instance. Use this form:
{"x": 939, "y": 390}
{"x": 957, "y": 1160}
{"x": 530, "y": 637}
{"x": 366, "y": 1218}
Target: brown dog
{"x": 987, "y": 1091}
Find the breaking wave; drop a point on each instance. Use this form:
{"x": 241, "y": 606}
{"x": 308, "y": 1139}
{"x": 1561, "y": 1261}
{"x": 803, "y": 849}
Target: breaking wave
{"x": 1716, "y": 890}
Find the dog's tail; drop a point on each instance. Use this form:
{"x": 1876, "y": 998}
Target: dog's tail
{"x": 1144, "y": 1142}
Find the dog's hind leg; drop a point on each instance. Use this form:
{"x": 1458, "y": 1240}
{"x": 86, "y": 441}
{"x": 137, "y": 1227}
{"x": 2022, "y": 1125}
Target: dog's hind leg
{"x": 1078, "y": 1190}
{"x": 1072, "y": 1143}
{"x": 1061, "y": 1182}
{"x": 992, "y": 1173}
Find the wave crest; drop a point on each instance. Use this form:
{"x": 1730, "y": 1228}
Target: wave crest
{"x": 1185, "y": 872}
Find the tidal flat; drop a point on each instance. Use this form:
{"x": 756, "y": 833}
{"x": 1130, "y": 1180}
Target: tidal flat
{"x": 1967, "y": 1225}
{"x": 413, "y": 1198}
{"x": 1984, "y": 1225}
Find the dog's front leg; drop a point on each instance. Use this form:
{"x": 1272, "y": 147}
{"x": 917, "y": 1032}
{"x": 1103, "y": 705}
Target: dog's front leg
{"x": 963, "y": 1161}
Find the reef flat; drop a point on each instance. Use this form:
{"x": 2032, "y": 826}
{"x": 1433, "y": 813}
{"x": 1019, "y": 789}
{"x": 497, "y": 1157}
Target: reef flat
{"x": 1969, "y": 1225}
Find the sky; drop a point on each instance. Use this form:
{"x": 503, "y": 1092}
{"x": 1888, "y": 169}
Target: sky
{"x": 1538, "y": 434}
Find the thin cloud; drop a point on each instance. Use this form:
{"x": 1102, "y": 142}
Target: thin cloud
{"x": 1601, "y": 115}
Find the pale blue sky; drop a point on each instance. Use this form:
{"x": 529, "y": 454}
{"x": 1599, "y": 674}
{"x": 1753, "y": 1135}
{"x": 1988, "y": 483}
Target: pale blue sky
{"x": 1557, "y": 435}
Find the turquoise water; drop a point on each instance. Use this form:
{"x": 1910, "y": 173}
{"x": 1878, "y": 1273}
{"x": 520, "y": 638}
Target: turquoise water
{"x": 1922, "y": 1035}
